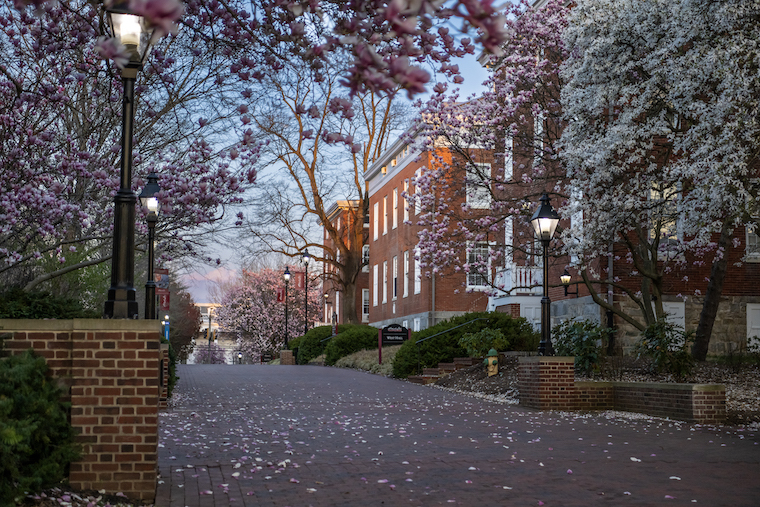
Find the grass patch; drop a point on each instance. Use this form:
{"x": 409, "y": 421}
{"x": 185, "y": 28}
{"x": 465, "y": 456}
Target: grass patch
{"x": 366, "y": 360}
{"x": 319, "y": 360}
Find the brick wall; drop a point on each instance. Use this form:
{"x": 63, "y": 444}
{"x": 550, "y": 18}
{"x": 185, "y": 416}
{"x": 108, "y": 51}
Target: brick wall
{"x": 163, "y": 399}
{"x": 688, "y": 402}
{"x": 547, "y": 383}
{"x": 112, "y": 370}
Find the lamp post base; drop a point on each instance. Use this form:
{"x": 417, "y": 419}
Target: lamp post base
{"x": 121, "y": 304}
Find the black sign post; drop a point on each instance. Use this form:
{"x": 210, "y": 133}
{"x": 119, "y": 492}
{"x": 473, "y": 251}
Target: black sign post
{"x": 390, "y": 335}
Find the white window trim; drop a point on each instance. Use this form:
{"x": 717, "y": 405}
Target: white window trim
{"x": 406, "y": 274}
{"x": 489, "y": 275}
{"x": 365, "y": 258}
{"x": 394, "y": 289}
{"x": 476, "y": 193}
{"x": 375, "y": 283}
{"x": 417, "y": 272}
{"x": 394, "y": 219}
{"x": 385, "y": 215}
{"x": 751, "y": 243}
{"x": 385, "y": 281}
{"x": 365, "y": 305}
{"x": 376, "y": 220}
{"x": 406, "y": 200}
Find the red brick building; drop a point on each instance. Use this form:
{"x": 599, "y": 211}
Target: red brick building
{"x": 342, "y": 214}
{"x": 400, "y": 290}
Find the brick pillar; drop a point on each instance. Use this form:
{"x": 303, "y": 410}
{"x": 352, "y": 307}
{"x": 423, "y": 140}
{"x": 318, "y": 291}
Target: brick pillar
{"x": 286, "y": 357}
{"x": 112, "y": 368}
{"x": 164, "y": 377}
{"x": 547, "y": 382}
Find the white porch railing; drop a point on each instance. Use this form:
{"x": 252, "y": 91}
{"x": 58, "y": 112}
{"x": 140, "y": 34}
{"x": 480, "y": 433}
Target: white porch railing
{"x": 520, "y": 280}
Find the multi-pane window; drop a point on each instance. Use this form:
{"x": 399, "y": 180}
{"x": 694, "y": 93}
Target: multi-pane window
{"x": 374, "y": 285}
{"x": 376, "y": 220}
{"x": 385, "y": 281}
{"x": 365, "y": 258}
{"x": 417, "y": 272}
{"x": 395, "y": 208}
{"x": 406, "y": 274}
{"x": 508, "y": 159}
{"x": 406, "y": 201}
{"x": 395, "y": 277}
{"x": 753, "y": 242}
{"x": 477, "y": 183}
{"x": 385, "y": 215}
{"x": 665, "y": 219}
{"x": 478, "y": 263}
{"x": 417, "y": 201}
{"x": 365, "y": 305}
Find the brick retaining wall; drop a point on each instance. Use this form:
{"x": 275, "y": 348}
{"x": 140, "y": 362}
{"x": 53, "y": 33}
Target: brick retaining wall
{"x": 543, "y": 384}
{"x": 111, "y": 368}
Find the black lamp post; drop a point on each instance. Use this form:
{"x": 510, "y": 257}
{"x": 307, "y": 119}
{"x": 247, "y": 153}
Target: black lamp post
{"x": 565, "y": 278}
{"x": 305, "y": 257}
{"x": 131, "y": 31}
{"x": 544, "y": 222}
{"x": 286, "y": 276}
{"x": 149, "y": 200}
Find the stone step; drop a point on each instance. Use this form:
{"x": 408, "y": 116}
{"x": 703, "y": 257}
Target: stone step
{"x": 422, "y": 379}
{"x": 446, "y": 368}
{"x": 465, "y": 362}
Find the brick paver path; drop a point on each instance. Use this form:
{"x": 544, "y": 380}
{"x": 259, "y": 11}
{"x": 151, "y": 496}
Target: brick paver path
{"x": 314, "y": 436}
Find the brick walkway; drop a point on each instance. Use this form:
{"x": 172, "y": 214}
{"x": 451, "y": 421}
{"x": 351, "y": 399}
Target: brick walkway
{"x": 314, "y": 436}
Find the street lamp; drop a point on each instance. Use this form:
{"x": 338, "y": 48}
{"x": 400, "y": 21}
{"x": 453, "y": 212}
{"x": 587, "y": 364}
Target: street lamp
{"x": 149, "y": 200}
{"x": 286, "y": 276}
{"x": 130, "y": 30}
{"x": 544, "y": 222}
{"x": 305, "y": 257}
{"x": 565, "y": 278}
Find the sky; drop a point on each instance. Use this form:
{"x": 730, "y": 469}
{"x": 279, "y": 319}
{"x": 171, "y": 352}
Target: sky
{"x": 201, "y": 282}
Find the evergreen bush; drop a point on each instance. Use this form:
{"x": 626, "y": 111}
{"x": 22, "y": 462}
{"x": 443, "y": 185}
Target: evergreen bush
{"x": 15, "y": 303}
{"x": 313, "y": 343}
{"x": 667, "y": 345}
{"x": 351, "y": 340}
{"x": 443, "y": 348}
{"x": 584, "y": 340}
{"x": 36, "y": 438}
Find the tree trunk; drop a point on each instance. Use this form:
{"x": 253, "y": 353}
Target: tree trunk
{"x": 712, "y": 297}
{"x": 348, "y": 312}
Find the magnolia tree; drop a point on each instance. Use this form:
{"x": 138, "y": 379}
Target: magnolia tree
{"x": 60, "y": 107}
{"x": 494, "y": 155}
{"x": 250, "y": 311}
{"x": 661, "y": 142}
{"x": 209, "y": 353}
{"x": 318, "y": 160}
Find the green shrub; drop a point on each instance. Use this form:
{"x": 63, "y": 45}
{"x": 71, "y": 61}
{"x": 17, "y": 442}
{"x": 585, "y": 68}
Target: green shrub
{"x": 367, "y": 360}
{"x": 351, "y": 340}
{"x": 313, "y": 343}
{"x": 36, "y": 439}
{"x": 667, "y": 345}
{"x": 584, "y": 340}
{"x": 411, "y": 358}
{"x": 18, "y": 304}
{"x": 478, "y": 344}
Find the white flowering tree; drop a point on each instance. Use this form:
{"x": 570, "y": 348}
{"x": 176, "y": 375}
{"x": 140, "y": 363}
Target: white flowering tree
{"x": 661, "y": 140}
{"x": 251, "y": 312}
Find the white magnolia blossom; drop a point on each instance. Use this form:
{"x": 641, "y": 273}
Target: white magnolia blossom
{"x": 661, "y": 95}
